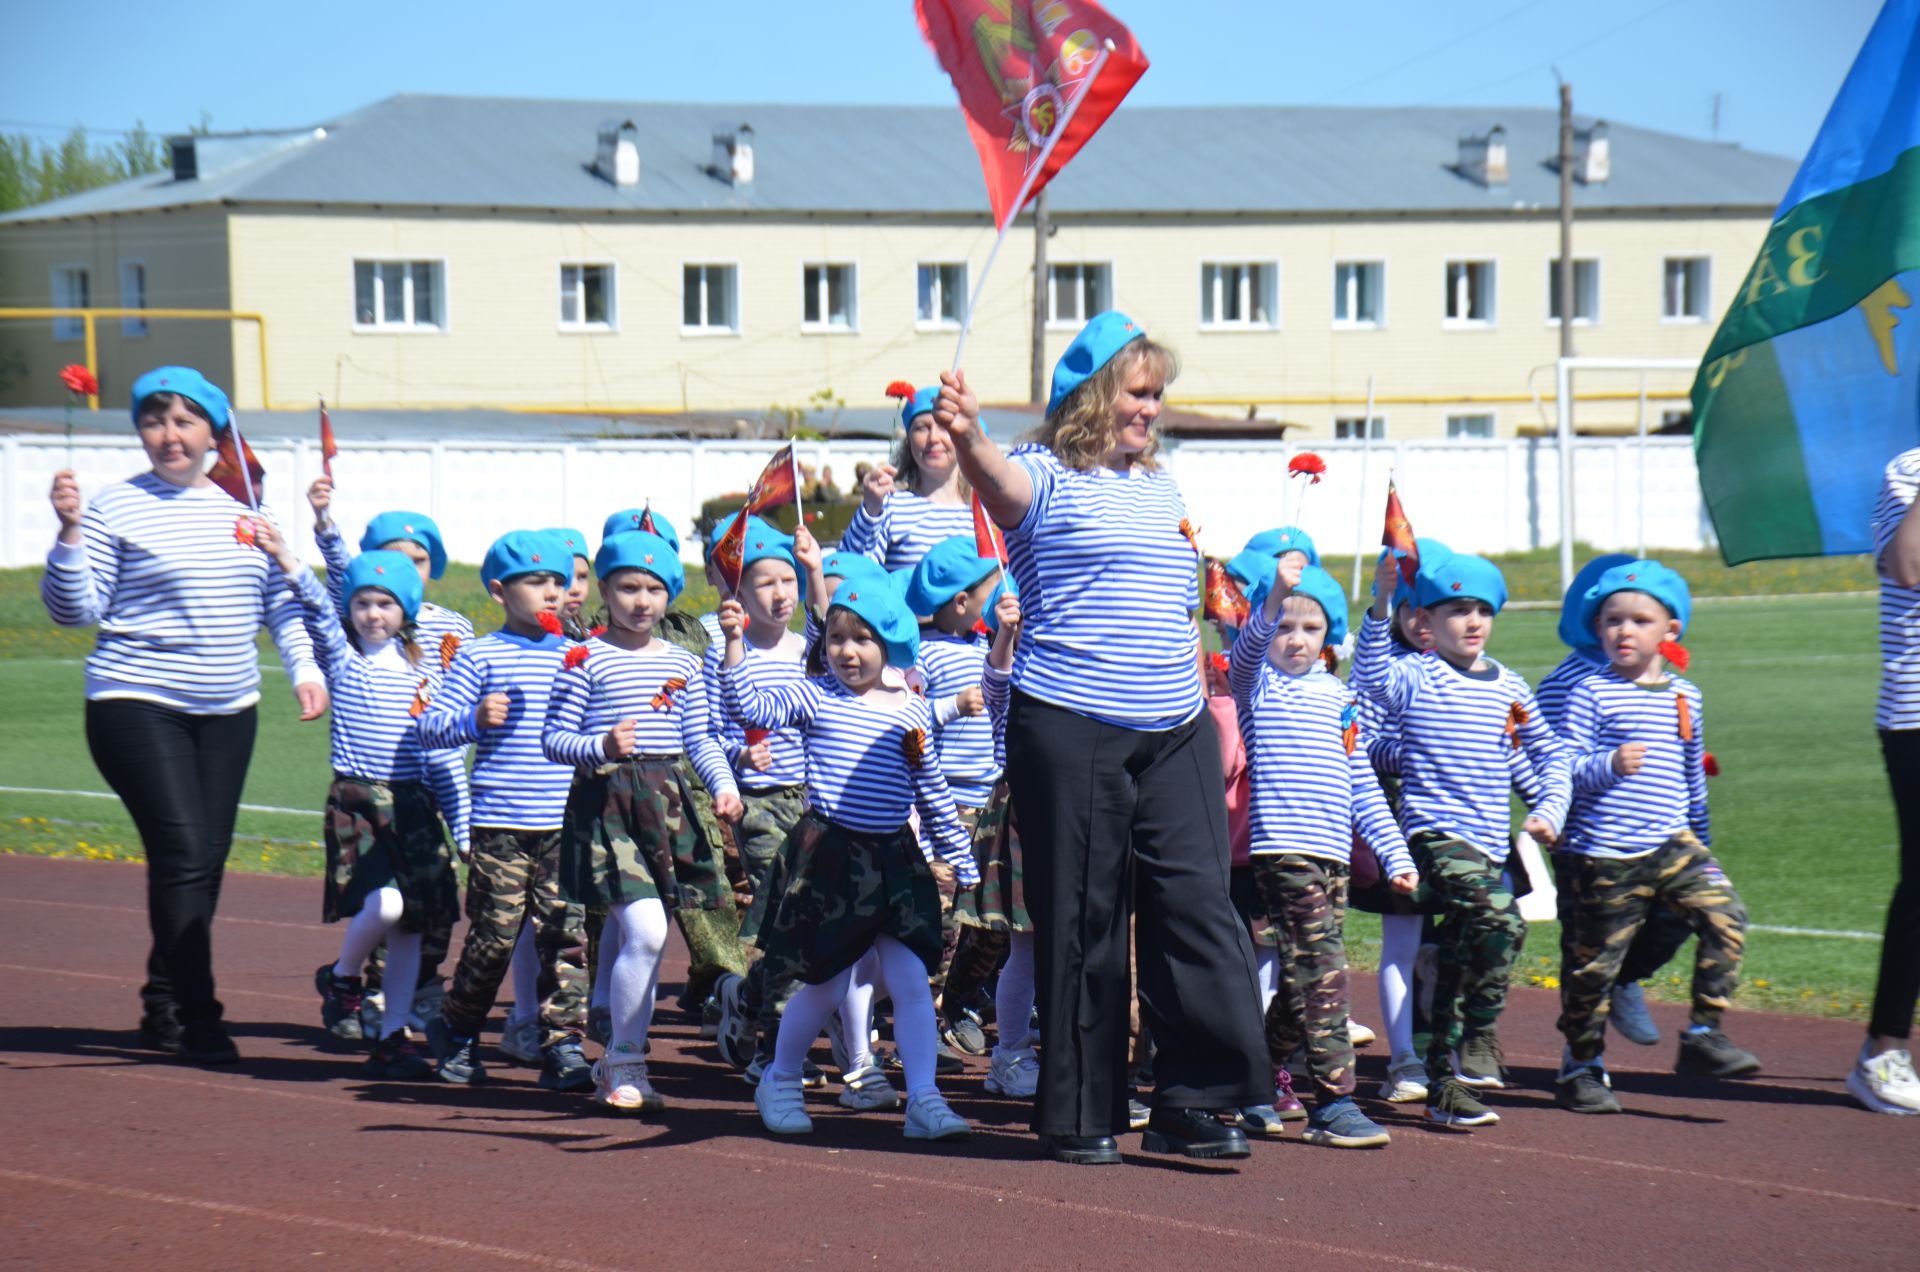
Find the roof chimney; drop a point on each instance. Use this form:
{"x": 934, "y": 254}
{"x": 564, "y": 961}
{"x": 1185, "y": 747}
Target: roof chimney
{"x": 1483, "y": 157}
{"x": 185, "y": 160}
{"x": 1592, "y": 155}
{"x": 618, "y": 157}
{"x": 733, "y": 156}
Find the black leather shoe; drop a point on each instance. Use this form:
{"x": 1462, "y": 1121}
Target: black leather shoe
{"x": 1193, "y": 1133}
{"x": 160, "y": 1031}
{"x": 1082, "y": 1150}
{"x": 207, "y": 1044}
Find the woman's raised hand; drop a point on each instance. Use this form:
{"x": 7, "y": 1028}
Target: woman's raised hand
{"x": 957, "y": 410}
{"x": 65, "y": 498}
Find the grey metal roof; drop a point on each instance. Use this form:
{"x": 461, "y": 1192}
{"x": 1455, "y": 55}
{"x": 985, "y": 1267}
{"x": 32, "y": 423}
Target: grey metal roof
{"x": 515, "y": 153}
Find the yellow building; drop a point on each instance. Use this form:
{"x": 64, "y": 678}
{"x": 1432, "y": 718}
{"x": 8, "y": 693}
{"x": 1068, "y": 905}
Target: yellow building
{"x": 434, "y": 252}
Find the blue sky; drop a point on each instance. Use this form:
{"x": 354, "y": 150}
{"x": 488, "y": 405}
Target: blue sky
{"x": 1656, "y": 63}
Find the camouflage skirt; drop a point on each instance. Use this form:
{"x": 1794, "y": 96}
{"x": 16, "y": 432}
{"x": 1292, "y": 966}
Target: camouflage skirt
{"x": 999, "y": 901}
{"x": 388, "y": 835}
{"x": 700, "y": 865}
{"x": 626, "y": 826}
{"x": 836, "y": 890}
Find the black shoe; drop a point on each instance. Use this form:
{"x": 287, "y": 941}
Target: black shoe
{"x": 1585, "y": 1090}
{"x": 1714, "y": 1054}
{"x": 207, "y": 1044}
{"x": 1193, "y": 1133}
{"x": 160, "y": 1031}
{"x": 454, "y": 1054}
{"x": 340, "y": 1003}
{"x": 1081, "y": 1150}
{"x": 564, "y": 1067}
{"x": 396, "y": 1059}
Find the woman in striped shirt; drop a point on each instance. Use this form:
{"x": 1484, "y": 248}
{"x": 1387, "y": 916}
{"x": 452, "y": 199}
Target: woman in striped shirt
{"x": 914, "y": 502}
{"x": 164, "y": 563}
{"x": 1113, "y": 762}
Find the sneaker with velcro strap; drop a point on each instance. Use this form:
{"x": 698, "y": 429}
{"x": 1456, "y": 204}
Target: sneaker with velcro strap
{"x": 782, "y": 1105}
{"x": 1341, "y": 1124}
{"x": 930, "y": 1118}
{"x": 520, "y": 1042}
{"x": 735, "y": 1033}
{"x": 564, "y": 1067}
{"x": 964, "y": 1034}
{"x": 1014, "y": 1071}
{"x": 866, "y": 1090}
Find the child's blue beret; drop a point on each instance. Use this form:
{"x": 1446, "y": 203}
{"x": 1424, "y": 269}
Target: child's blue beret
{"x": 392, "y": 572}
{"x": 1431, "y": 551}
{"x": 638, "y": 550}
{"x": 630, "y": 518}
{"x": 1281, "y": 540}
{"x": 412, "y": 527}
{"x": 881, "y": 608}
{"x": 1254, "y": 570}
{"x": 576, "y": 541}
{"x": 950, "y": 567}
{"x": 850, "y": 565}
{"x": 1104, "y": 335}
{"x": 188, "y": 383}
{"x": 1656, "y": 580}
{"x": 1573, "y": 633}
{"x": 921, "y": 403}
{"x": 519, "y": 552}
{"x": 1460, "y": 577}
{"x": 1317, "y": 585}
{"x": 765, "y": 543}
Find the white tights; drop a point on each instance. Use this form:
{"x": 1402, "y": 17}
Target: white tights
{"x": 856, "y": 1010}
{"x": 378, "y": 921}
{"x": 633, "y": 974}
{"x": 1013, "y": 996}
{"x": 526, "y": 978}
{"x": 905, "y": 978}
{"x": 1399, "y": 945}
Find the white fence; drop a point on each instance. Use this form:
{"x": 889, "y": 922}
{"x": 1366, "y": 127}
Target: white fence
{"x": 1490, "y": 497}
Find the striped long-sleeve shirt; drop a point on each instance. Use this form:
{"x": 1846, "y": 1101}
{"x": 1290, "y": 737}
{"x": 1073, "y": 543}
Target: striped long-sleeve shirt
{"x": 996, "y": 687}
{"x": 1615, "y": 816}
{"x": 1457, "y": 731}
{"x": 515, "y": 786}
{"x": 784, "y": 664}
{"x": 950, "y": 665}
{"x": 178, "y": 599}
{"x": 373, "y": 729}
{"x": 1309, "y": 792}
{"x": 1558, "y": 683}
{"x": 859, "y": 772}
{"x": 613, "y": 684}
{"x": 1899, "y": 706}
{"x": 907, "y": 528}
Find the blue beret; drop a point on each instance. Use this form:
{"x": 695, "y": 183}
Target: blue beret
{"x": 1254, "y": 569}
{"x": 392, "y": 572}
{"x": 1573, "y": 633}
{"x": 638, "y": 550}
{"x": 900, "y": 578}
{"x": 882, "y": 609}
{"x": 1431, "y": 551}
{"x": 1284, "y": 539}
{"x": 921, "y": 403}
{"x": 188, "y": 383}
{"x": 765, "y": 543}
{"x": 1104, "y": 335}
{"x": 411, "y": 527}
{"x": 848, "y": 565}
{"x": 519, "y": 552}
{"x": 576, "y": 540}
{"x": 1656, "y": 580}
{"x": 1317, "y": 585}
{"x": 1458, "y": 577}
{"x": 630, "y": 518}
{"x": 950, "y": 567}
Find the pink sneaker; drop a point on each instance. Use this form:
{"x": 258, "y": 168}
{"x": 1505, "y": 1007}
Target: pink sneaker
{"x": 1285, "y": 1103}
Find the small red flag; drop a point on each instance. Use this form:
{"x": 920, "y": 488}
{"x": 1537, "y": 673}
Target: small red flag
{"x": 225, "y": 472}
{"x": 1226, "y": 603}
{"x": 646, "y": 520}
{"x": 986, "y": 535}
{"x": 1025, "y": 70}
{"x": 1398, "y": 536}
{"x": 327, "y": 448}
{"x": 774, "y": 486}
{"x": 729, "y": 554}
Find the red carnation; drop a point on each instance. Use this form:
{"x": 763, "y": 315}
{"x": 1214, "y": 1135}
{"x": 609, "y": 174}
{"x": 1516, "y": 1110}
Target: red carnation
{"x": 1709, "y": 765}
{"x": 1308, "y": 464}
{"x": 601, "y": 630}
{"x": 1675, "y": 653}
{"x": 574, "y": 657}
{"x": 550, "y": 623}
{"x": 900, "y": 389}
{"x": 79, "y": 380}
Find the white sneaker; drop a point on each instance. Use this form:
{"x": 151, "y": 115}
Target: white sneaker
{"x": 1886, "y": 1083}
{"x": 1629, "y": 1015}
{"x": 1015, "y": 1072}
{"x": 929, "y": 1118}
{"x": 620, "y": 1081}
{"x": 520, "y": 1041}
{"x": 1359, "y": 1035}
{"x": 1406, "y": 1081}
{"x": 735, "y": 1036}
{"x": 782, "y": 1105}
{"x": 867, "y": 1090}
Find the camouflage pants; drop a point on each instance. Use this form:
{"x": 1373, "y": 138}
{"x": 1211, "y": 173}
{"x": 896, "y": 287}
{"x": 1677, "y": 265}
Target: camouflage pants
{"x": 1480, "y": 934}
{"x": 1662, "y": 935}
{"x": 769, "y": 817}
{"x": 1612, "y": 899}
{"x": 514, "y": 879}
{"x": 948, "y": 884}
{"x": 1305, "y": 899}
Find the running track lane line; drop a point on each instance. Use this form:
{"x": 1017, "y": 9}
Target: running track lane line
{"x": 134, "y": 909}
{"x": 452, "y": 1244}
{"x": 134, "y": 980}
{"x": 251, "y": 808}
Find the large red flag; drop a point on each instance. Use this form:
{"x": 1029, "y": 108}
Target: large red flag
{"x": 1398, "y": 535}
{"x": 1024, "y": 70}
{"x": 775, "y": 485}
{"x": 986, "y": 535}
{"x": 729, "y": 554}
{"x": 327, "y": 449}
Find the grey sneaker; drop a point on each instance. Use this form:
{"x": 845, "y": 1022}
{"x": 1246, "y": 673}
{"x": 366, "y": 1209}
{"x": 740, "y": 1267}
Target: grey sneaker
{"x": 1627, "y": 1013}
{"x": 1341, "y": 1124}
{"x": 1480, "y": 1062}
{"x": 1585, "y": 1090}
{"x": 1451, "y": 1104}
{"x": 564, "y": 1067}
{"x": 1713, "y": 1054}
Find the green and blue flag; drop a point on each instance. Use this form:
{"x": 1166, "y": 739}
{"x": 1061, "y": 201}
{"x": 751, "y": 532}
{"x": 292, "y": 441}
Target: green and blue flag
{"x": 1812, "y": 382}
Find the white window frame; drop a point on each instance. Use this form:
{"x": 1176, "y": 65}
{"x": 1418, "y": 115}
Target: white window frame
{"x": 1706, "y": 289}
{"x": 710, "y": 329}
{"x": 69, "y": 329}
{"x": 1249, "y": 323}
{"x": 1360, "y": 324}
{"x": 826, "y": 326}
{"x": 410, "y": 327}
{"x": 1074, "y": 324}
{"x": 1553, "y": 267}
{"x": 1491, "y": 417}
{"x": 612, "y": 324}
{"x": 1493, "y": 307}
{"x": 133, "y": 328}
{"x": 1377, "y": 417}
{"x": 937, "y": 323}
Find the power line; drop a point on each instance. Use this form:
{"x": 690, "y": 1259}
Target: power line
{"x": 1424, "y": 54}
{"x": 1563, "y": 54}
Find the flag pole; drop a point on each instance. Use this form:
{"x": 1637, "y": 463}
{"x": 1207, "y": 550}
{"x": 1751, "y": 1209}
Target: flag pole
{"x": 799, "y": 502}
{"x": 240, "y": 459}
{"x": 1360, "y": 530}
{"x": 1020, "y": 198}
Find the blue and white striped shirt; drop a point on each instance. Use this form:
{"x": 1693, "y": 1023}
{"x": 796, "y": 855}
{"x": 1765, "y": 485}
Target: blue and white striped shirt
{"x": 373, "y": 730}
{"x": 907, "y": 528}
{"x": 784, "y": 664}
{"x": 1558, "y": 683}
{"x": 515, "y": 786}
{"x": 950, "y": 665}
{"x": 178, "y": 599}
{"x": 858, "y": 770}
{"x": 615, "y": 684}
{"x": 1455, "y": 751}
{"x": 1308, "y": 794}
{"x": 1899, "y": 706}
{"x": 1615, "y": 816}
{"x": 996, "y": 687}
{"x": 1108, "y": 587}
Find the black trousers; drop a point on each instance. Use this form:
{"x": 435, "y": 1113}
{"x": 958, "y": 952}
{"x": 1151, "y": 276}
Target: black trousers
{"x": 1118, "y": 823}
{"x": 180, "y": 777}
{"x": 1899, "y": 987}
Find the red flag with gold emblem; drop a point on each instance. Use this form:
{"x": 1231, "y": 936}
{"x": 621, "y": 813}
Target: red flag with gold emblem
{"x": 225, "y": 473}
{"x": 1225, "y": 602}
{"x": 729, "y": 554}
{"x": 1029, "y": 72}
{"x": 1398, "y": 535}
{"x": 775, "y": 485}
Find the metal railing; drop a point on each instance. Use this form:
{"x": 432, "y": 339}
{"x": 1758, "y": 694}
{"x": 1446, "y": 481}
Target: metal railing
{"x": 88, "y": 317}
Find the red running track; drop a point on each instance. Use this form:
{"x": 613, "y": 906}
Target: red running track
{"x": 111, "y": 1157}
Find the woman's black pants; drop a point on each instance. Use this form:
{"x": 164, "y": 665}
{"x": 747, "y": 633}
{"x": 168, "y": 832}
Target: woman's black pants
{"x": 1899, "y": 984}
{"x": 1116, "y": 823}
{"x": 180, "y": 777}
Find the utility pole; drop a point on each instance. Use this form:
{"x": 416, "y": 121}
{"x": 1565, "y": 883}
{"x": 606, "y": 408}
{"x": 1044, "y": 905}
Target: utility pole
{"x": 1042, "y": 226}
{"x": 1565, "y": 266}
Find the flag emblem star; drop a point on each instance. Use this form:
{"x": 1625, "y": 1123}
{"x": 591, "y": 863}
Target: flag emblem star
{"x": 408, "y": 529}
{"x": 649, "y": 558}
{"x": 536, "y": 558}
{"x": 1456, "y": 587}
{"x": 1632, "y": 577}
{"x": 379, "y": 569}
{"x": 853, "y": 596}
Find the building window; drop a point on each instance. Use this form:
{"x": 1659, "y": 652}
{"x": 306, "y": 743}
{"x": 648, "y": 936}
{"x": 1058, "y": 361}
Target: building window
{"x": 829, "y": 301}
{"x": 1359, "y": 293}
{"x": 1239, "y": 295}
{"x": 398, "y": 295}
{"x": 133, "y": 295}
{"x": 1686, "y": 290}
{"x": 586, "y": 297}
{"x": 709, "y": 299}
{"x": 1351, "y": 428}
{"x": 70, "y": 291}
{"x": 1470, "y": 293}
{"x": 1476, "y": 427}
{"x": 942, "y": 295}
{"x": 1077, "y": 292}
{"x": 1586, "y": 291}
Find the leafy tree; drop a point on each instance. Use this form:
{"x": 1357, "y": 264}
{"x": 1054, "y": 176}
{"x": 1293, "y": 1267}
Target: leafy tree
{"x": 34, "y": 172}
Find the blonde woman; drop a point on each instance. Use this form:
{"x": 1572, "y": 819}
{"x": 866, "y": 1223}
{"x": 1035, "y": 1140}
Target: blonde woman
{"x": 916, "y": 501}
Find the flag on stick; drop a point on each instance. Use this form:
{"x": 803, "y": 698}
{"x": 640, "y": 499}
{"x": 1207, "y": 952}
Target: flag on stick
{"x": 646, "y": 518}
{"x": 229, "y": 447}
{"x": 729, "y": 554}
{"x": 986, "y": 535}
{"x": 1398, "y": 537}
{"x": 777, "y": 484}
{"x": 327, "y": 448}
{"x": 1226, "y": 603}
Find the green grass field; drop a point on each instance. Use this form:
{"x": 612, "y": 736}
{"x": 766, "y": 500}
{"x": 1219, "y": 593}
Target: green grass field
{"x": 1802, "y": 818}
